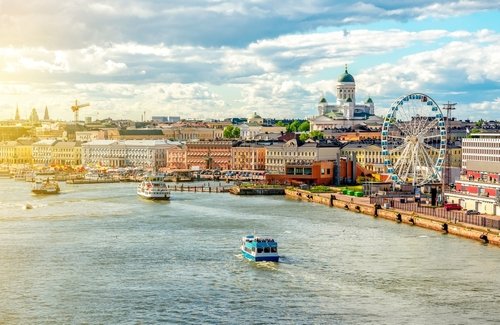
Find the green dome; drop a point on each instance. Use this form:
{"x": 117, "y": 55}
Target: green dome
{"x": 345, "y": 77}
{"x": 369, "y": 100}
{"x": 349, "y": 100}
{"x": 323, "y": 100}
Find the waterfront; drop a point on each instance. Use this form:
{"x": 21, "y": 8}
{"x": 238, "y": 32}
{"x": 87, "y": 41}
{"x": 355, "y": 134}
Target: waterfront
{"x": 98, "y": 254}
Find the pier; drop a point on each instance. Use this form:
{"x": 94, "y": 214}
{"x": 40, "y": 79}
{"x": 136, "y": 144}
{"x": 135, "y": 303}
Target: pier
{"x": 199, "y": 188}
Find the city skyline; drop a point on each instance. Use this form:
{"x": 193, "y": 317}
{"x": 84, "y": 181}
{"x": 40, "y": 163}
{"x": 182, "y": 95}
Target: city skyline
{"x": 202, "y": 59}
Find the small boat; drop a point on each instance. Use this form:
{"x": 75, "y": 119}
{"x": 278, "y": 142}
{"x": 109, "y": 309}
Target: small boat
{"x": 153, "y": 187}
{"x": 46, "y": 186}
{"x": 259, "y": 248}
{"x": 27, "y": 206}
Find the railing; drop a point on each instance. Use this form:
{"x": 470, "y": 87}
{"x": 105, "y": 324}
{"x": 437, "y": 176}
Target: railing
{"x": 452, "y": 215}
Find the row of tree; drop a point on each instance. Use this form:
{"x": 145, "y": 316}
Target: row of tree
{"x": 234, "y": 132}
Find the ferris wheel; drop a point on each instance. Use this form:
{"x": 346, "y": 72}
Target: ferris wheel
{"x": 414, "y": 140}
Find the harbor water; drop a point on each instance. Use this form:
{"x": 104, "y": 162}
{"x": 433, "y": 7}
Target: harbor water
{"x": 98, "y": 254}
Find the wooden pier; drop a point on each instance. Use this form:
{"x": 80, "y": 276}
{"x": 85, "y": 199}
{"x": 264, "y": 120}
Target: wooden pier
{"x": 199, "y": 188}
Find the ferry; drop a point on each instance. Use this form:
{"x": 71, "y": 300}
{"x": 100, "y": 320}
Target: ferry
{"x": 153, "y": 187}
{"x": 259, "y": 248}
{"x": 46, "y": 186}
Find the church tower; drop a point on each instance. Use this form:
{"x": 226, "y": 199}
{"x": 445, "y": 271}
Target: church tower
{"x": 46, "y": 114}
{"x": 346, "y": 88}
{"x": 17, "y": 117}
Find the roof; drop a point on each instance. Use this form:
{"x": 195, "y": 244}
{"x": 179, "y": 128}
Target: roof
{"x": 369, "y": 100}
{"x": 323, "y": 100}
{"x": 345, "y": 77}
{"x": 141, "y": 132}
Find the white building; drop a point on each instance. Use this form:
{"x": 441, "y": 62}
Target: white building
{"x": 345, "y": 112}
{"x": 126, "y": 153}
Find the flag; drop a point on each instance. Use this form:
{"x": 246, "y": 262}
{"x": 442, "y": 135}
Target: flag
{"x": 467, "y": 130}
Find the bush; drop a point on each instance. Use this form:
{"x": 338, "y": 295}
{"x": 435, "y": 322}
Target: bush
{"x": 320, "y": 189}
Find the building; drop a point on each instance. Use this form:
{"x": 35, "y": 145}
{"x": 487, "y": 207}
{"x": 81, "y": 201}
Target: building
{"x": 250, "y": 132}
{"x": 42, "y": 151}
{"x": 345, "y": 112}
{"x": 176, "y": 158}
{"x": 86, "y": 136}
{"x": 208, "y": 154}
{"x": 286, "y": 161}
{"x": 368, "y": 155}
{"x": 479, "y": 185}
{"x": 166, "y": 119}
{"x": 16, "y": 152}
{"x": 248, "y": 156}
{"x": 192, "y": 133}
{"x": 67, "y": 153}
{"x": 149, "y": 154}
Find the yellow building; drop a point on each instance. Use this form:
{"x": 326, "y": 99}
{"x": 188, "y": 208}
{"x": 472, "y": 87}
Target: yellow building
{"x": 16, "y": 152}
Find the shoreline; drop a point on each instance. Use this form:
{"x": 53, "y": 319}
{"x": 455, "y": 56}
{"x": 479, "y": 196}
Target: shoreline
{"x": 362, "y": 205}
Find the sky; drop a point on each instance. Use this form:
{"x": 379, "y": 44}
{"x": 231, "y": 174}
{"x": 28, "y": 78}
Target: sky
{"x": 132, "y": 59}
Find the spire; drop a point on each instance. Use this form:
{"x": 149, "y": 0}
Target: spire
{"x": 346, "y": 68}
{"x": 46, "y": 115}
{"x": 17, "y": 118}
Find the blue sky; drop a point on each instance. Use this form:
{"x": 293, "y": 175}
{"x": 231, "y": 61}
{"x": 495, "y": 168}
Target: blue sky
{"x": 218, "y": 59}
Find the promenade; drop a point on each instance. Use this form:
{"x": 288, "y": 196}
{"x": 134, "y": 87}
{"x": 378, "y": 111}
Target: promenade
{"x": 363, "y": 205}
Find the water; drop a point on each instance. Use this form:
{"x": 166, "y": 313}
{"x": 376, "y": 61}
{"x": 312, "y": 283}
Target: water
{"x": 97, "y": 254}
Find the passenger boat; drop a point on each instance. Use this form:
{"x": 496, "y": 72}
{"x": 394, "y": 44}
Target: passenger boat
{"x": 45, "y": 186}
{"x": 259, "y": 248}
{"x": 153, "y": 187}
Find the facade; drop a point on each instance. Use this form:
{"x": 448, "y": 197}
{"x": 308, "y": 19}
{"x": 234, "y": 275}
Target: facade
{"x": 208, "y": 154}
{"x": 176, "y": 158}
{"x": 192, "y": 133}
{"x": 67, "y": 153}
{"x": 86, "y": 136}
{"x": 248, "y": 156}
{"x": 479, "y": 185}
{"x": 368, "y": 155}
{"x": 250, "y": 132}
{"x": 317, "y": 173}
{"x": 15, "y": 152}
{"x": 166, "y": 119}
{"x": 150, "y": 154}
{"x": 279, "y": 155}
{"x": 42, "y": 152}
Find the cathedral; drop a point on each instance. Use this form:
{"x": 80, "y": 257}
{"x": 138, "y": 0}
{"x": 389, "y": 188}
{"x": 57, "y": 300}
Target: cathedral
{"x": 345, "y": 112}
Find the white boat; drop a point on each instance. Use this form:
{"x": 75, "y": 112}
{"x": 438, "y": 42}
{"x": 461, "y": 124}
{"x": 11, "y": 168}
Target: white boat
{"x": 153, "y": 187}
{"x": 46, "y": 186}
{"x": 259, "y": 248}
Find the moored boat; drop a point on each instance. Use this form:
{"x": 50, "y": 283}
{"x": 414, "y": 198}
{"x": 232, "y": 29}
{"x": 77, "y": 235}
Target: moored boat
{"x": 153, "y": 187}
{"x": 259, "y": 248}
{"x": 45, "y": 186}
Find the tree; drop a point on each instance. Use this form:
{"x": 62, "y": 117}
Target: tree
{"x": 294, "y": 126}
{"x": 231, "y": 132}
{"x": 304, "y": 136}
{"x": 304, "y": 127}
{"x": 316, "y": 135}
{"x": 280, "y": 123}
{"x": 480, "y": 123}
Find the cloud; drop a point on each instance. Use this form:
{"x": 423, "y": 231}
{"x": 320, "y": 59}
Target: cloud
{"x": 80, "y": 23}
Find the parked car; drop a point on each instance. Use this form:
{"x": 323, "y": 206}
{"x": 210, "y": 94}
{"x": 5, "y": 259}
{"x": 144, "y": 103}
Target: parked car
{"x": 472, "y": 212}
{"x": 452, "y": 206}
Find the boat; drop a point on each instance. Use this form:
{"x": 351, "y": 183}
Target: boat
{"x": 153, "y": 187}
{"x": 259, "y": 248}
{"x": 45, "y": 186}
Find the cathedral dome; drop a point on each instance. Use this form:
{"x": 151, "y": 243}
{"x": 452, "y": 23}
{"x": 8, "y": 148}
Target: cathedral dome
{"x": 345, "y": 77}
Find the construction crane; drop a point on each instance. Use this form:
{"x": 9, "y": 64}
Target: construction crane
{"x": 76, "y": 108}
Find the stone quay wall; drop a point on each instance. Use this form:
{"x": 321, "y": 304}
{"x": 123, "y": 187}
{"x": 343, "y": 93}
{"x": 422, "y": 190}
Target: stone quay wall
{"x": 362, "y": 205}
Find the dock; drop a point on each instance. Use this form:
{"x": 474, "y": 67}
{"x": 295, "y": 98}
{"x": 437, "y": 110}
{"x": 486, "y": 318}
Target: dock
{"x": 199, "y": 188}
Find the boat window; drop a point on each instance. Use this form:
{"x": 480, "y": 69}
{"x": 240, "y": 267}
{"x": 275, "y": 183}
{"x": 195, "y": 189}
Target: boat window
{"x": 274, "y": 249}
{"x": 259, "y": 250}
{"x": 267, "y": 249}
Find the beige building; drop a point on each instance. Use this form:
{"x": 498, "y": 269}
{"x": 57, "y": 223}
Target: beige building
{"x": 248, "y": 156}
{"x": 278, "y": 155}
{"x": 42, "y": 152}
{"x": 192, "y": 133}
{"x": 67, "y": 153}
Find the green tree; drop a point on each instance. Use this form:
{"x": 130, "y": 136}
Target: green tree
{"x": 280, "y": 123}
{"x": 316, "y": 135}
{"x": 294, "y": 126}
{"x": 231, "y": 132}
{"x": 304, "y": 126}
{"x": 304, "y": 136}
{"x": 480, "y": 123}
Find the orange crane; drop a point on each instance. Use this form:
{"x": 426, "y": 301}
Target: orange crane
{"x": 76, "y": 108}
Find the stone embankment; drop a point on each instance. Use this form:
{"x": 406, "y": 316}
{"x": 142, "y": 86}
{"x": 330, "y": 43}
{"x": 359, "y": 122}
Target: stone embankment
{"x": 362, "y": 205}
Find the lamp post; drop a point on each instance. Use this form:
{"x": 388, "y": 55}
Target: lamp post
{"x": 446, "y": 176}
